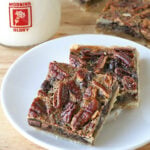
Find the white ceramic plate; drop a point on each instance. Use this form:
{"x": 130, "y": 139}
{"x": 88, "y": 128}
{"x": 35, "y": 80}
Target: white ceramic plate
{"x": 20, "y": 85}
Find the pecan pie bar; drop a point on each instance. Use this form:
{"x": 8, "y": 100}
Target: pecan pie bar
{"x": 128, "y": 16}
{"x": 122, "y": 62}
{"x": 73, "y": 102}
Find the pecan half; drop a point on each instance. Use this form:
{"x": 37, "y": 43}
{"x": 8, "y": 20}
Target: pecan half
{"x": 61, "y": 96}
{"x": 125, "y": 58}
{"x": 101, "y": 63}
{"x": 37, "y": 108}
{"x": 129, "y": 83}
{"x": 80, "y": 119}
{"x": 91, "y": 106}
{"x": 68, "y": 112}
{"x": 75, "y": 90}
{"x": 124, "y": 49}
{"x": 57, "y": 72}
{"x": 76, "y": 61}
{"x": 84, "y": 115}
{"x": 121, "y": 72}
{"x": 106, "y": 92}
{"x": 128, "y": 51}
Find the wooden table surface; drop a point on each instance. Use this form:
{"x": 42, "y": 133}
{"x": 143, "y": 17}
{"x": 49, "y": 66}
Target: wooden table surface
{"x": 74, "y": 21}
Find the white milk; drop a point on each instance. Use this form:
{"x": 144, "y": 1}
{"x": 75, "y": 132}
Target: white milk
{"x": 28, "y": 22}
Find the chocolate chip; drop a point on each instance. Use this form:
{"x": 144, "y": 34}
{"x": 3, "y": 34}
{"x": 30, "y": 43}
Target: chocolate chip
{"x": 89, "y": 76}
{"x": 46, "y": 86}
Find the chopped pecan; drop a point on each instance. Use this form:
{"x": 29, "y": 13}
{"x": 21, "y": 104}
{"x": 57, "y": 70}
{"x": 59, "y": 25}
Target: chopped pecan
{"x": 101, "y": 63}
{"x": 130, "y": 54}
{"x": 73, "y": 97}
{"x": 89, "y": 53}
{"x": 108, "y": 80}
{"x": 75, "y": 90}
{"x": 90, "y": 127}
{"x": 37, "y": 108}
{"x": 61, "y": 96}
{"x": 106, "y": 92}
{"x": 85, "y": 52}
{"x": 87, "y": 58}
{"x": 145, "y": 29}
{"x": 57, "y": 72}
{"x": 32, "y": 113}
{"x": 41, "y": 93}
{"x": 49, "y": 106}
{"x": 76, "y": 61}
{"x": 96, "y": 114}
{"x": 146, "y": 33}
{"x": 68, "y": 112}
{"x": 90, "y": 92}
{"x": 129, "y": 83}
{"x": 121, "y": 72}
{"x": 81, "y": 75}
{"x": 125, "y": 58}
{"x": 145, "y": 23}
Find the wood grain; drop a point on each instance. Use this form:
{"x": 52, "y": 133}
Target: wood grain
{"x": 74, "y": 21}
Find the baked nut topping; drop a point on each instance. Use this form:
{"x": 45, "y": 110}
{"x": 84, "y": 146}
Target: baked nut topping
{"x": 74, "y": 100}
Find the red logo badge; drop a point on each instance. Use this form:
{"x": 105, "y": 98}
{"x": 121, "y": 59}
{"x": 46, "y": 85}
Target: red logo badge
{"x": 20, "y": 16}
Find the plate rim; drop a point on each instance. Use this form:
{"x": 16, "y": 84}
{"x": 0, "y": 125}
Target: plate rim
{"x": 31, "y": 50}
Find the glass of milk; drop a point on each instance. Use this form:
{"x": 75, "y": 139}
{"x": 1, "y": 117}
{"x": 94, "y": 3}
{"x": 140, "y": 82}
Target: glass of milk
{"x": 28, "y": 22}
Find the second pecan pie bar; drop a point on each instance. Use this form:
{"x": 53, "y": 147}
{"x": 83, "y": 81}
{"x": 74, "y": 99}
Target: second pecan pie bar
{"x": 122, "y": 62}
{"x": 73, "y": 102}
{"x": 128, "y": 16}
